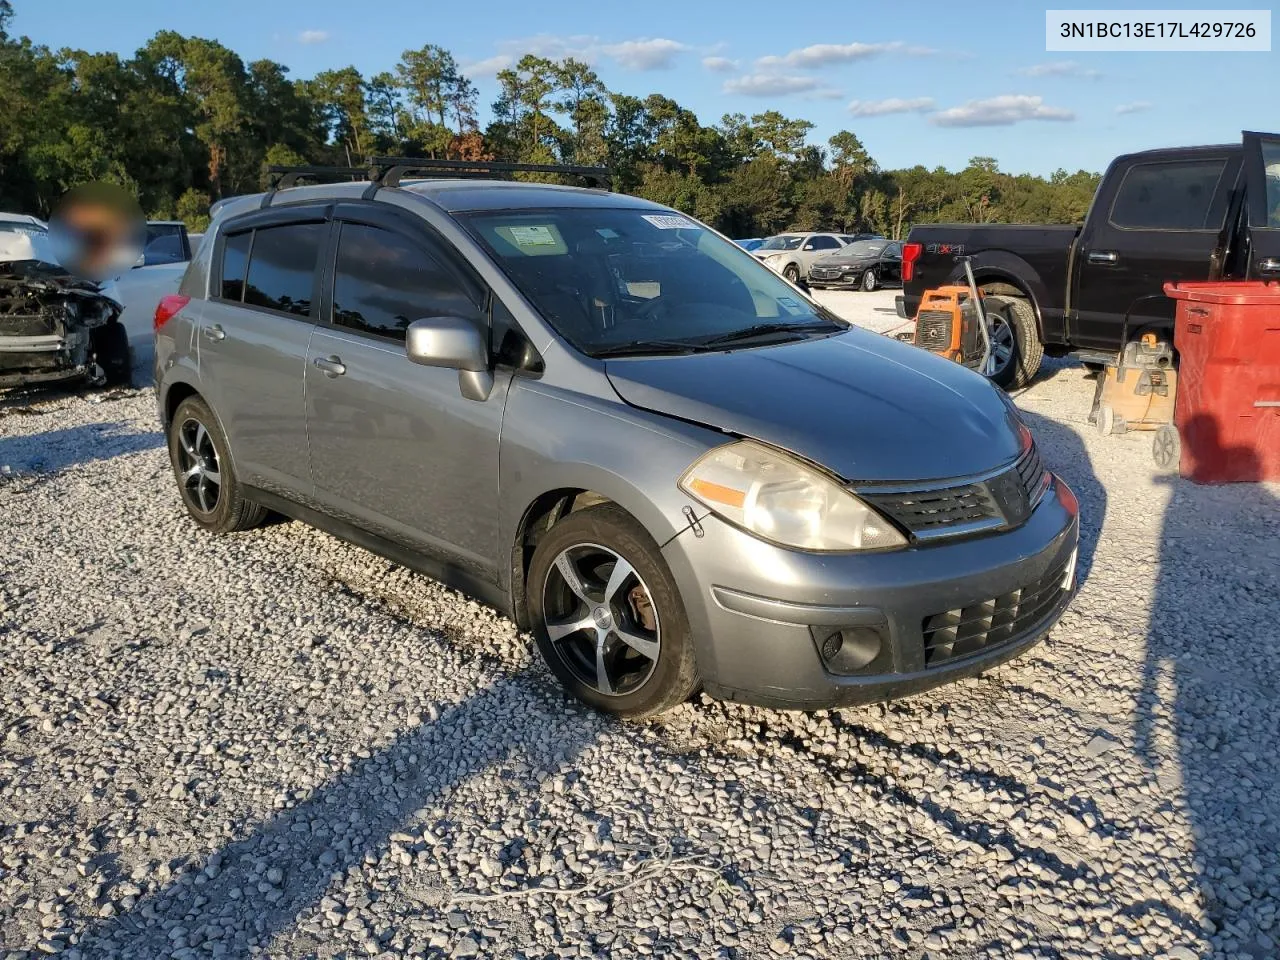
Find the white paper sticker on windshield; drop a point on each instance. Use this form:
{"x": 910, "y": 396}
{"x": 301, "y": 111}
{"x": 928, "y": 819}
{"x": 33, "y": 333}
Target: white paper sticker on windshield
{"x": 537, "y": 236}
{"x": 667, "y": 222}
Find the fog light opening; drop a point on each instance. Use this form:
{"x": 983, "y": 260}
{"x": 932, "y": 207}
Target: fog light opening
{"x": 849, "y": 650}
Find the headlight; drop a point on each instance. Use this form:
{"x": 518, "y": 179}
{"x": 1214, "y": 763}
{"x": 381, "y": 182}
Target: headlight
{"x": 782, "y": 500}
{"x": 771, "y": 258}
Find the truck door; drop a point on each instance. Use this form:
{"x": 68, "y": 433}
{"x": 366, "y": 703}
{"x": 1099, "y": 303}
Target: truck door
{"x": 1262, "y": 194}
{"x": 1161, "y": 221}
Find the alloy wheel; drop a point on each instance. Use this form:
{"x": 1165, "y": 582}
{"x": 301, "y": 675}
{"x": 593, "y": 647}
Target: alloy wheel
{"x": 1002, "y": 346}
{"x": 599, "y": 616}
{"x": 199, "y": 472}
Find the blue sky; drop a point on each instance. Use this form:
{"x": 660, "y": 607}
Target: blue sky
{"x": 921, "y": 82}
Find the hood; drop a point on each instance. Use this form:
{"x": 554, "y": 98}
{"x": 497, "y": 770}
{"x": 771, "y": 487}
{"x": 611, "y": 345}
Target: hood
{"x": 865, "y": 406}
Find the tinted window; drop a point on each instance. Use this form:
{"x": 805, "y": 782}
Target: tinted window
{"x": 164, "y": 244}
{"x": 1167, "y": 196}
{"x": 235, "y": 256}
{"x": 893, "y": 251}
{"x": 282, "y": 266}
{"x": 384, "y": 281}
{"x": 865, "y": 248}
{"x": 822, "y": 243}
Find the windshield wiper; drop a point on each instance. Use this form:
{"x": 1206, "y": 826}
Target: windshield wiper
{"x": 651, "y": 347}
{"x": 765, "y": 329}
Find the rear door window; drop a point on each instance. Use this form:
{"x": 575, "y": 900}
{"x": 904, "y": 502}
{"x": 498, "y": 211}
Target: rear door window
{"x": 383, "y": 281}
{"x": 822, "y": 243}
{"x": 1176, "y": 195}
{"x": 282, "y": 267}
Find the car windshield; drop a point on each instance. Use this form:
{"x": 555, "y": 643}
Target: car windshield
{"x": 863, "y": 248}
{"x": 164, "y": 244}
{"x": 643, "y": 280}
{"x": 784, "y": 242}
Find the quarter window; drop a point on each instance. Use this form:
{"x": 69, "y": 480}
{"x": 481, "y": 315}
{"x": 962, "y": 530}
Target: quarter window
{"x": 1168, "y": 196}
{"x": 282, "y": 267}
{"x": 384, "y": 281}
{"x": 235, "y": 257}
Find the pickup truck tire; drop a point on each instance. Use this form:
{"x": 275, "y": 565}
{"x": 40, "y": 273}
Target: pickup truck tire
{"x": 1028, "y": 351}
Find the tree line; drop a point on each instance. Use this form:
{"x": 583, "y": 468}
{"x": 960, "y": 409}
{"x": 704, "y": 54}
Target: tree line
{"x": 185, "y": 121}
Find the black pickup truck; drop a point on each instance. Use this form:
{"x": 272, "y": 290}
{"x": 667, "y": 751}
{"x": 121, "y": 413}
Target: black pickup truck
{"x": 1192, "y": 213}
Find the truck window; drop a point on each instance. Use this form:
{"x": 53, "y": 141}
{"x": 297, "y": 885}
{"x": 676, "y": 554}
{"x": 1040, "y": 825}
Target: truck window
{"x": 1271, "y": 165}
{"x": 1175, "y": 195}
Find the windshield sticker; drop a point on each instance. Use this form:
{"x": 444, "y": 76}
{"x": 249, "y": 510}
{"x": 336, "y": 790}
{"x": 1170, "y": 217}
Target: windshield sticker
{"x": 668, "y": 222}
{"x": 791, "y": 305}
{"x": 607, "y": 233}
{"x": 538, "y": 236}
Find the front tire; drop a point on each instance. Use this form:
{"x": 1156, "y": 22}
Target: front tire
{"x": 608, "y": 617}
{"x": 791, "y": 272}
{"x": 207, "y": 483}
{"x": 870, "y": 281}
{"x": 1016, "y": 348}
{"x": 111, "y": 353}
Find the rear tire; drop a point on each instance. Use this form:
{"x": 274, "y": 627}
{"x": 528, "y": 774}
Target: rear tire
{"x": 111, "y": 353}
{"x": 207, "y": 483}
{"x": 576, "y": 592}
{"x": 1028, "y": 352}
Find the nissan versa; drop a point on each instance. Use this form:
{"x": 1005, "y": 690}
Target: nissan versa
{"x": 600, "y": 416}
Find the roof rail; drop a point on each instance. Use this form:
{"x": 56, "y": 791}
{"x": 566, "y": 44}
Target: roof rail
{"x": 388, "y": 171}
{"x": 280, "y": 177}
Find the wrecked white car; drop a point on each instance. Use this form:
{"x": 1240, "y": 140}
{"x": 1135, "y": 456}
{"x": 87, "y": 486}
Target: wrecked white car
{"x": 53, "y": 325}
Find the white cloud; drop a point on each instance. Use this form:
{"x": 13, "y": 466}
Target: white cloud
{"x": 826, "y": 54}
{"x": 656, "y": 53}
{"x": 720, "y": 64}
{"x": 313, "y": 36}
{"x": 1137, "y": 106}
{"x": 771, "y": 85}
{"x": 881, "y": 108}
{"x": 999, "y": 112}
{"x": 1060, "y": 68}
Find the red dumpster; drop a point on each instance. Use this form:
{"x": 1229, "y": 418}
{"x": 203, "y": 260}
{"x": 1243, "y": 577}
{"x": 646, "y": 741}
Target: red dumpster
{"x": 1227, "y": 412}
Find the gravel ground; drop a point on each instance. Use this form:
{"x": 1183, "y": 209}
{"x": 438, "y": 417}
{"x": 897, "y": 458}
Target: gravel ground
{"x": 276, "y": 744}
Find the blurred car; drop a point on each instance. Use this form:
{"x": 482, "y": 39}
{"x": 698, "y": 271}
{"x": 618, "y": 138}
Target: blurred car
{"x": 862, "y": 265}
{"x": 750, "y": 243}
{"x": 791, "y": 254}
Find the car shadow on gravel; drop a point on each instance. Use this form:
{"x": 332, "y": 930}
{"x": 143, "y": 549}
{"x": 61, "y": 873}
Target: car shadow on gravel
{"x": 1208, "y": 716}
{"x": 286, "y": 864}
{"x": 56, "y": 450}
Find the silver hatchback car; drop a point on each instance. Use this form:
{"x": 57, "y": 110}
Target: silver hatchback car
{"x": 593, "y": 412}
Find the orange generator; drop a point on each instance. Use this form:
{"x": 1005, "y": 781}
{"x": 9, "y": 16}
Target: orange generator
{"x": 947, "y": 324}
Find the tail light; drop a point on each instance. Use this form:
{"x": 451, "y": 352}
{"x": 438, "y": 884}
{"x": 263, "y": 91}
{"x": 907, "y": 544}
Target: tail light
{"x": 168, "y": 308}
{"x": 910, "y": 254}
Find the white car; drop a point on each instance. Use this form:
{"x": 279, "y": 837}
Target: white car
{"x": 156, "y": 275}
{"x": 791, "y": 254}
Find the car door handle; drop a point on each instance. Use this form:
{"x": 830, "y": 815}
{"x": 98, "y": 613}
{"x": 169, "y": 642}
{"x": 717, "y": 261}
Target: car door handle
{"x": 1105, "y": 257}
{"x": 332, "y": 366}
{"x": 1269, "y": 265}
{"x": 215, "y": 332}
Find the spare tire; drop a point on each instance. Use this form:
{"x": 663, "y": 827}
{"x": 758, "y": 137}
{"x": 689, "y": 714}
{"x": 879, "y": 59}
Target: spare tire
{"x": 1016, "y": 348}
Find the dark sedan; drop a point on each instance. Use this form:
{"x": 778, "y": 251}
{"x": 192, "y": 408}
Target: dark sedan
{"x": 863, "y": 265}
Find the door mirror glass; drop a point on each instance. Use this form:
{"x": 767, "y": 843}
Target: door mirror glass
{"x": 450, "y": 342}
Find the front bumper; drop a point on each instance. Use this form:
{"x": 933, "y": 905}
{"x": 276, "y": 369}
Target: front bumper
{"x": 761, "y": 614}
{"x": 846, "y": 279}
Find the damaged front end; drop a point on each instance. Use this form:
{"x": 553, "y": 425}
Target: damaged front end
{"x": 55, "y": 326}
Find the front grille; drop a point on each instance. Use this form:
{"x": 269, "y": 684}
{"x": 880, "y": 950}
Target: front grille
{"x": 933, "y": 330}
{"x": 999, "y": 501}
{"x": 987, "y": 624}
{"x": 825, "y": 273}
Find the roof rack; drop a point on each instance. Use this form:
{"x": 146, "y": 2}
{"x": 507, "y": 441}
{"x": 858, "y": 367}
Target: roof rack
{"x": 280, "y": 177}
{"x": 388, "y": 171}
